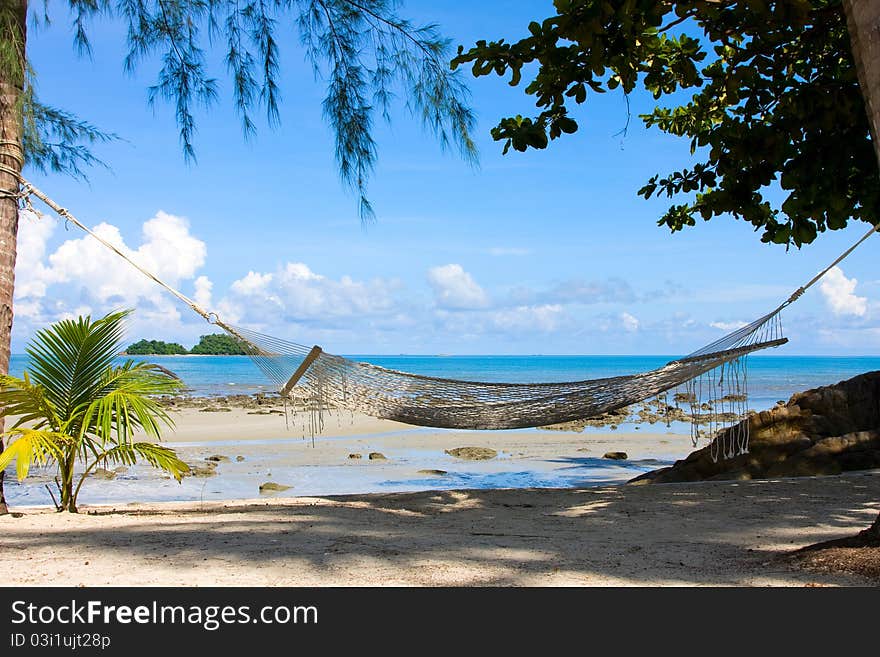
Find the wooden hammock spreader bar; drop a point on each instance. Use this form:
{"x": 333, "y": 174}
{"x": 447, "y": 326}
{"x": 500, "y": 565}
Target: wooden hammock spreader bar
{"x": 733, "y": 353}
{"x": 303, "y": 366}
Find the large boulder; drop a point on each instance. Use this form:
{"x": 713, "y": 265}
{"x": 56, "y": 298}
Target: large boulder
{"x": 826, "y": 430}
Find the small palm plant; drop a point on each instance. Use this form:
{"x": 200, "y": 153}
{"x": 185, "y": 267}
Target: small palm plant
{"x": 73, "y": 404}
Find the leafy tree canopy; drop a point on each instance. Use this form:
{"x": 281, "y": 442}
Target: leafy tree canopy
{"x": 775, "y": 104}
{"x": 364, "y": 50}
{"x": 218, "y": 344}
{"x": 155, "y": 347}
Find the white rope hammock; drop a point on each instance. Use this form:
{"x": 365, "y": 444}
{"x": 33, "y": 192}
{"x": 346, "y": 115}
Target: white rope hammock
{"x": 713, "y": 376}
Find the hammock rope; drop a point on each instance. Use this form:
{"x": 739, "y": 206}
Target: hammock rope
{"x": 714, "y": 376}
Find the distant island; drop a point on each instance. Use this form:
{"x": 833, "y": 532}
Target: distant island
{"x": 155, "y": 348}
{"x": 216, "y": 344}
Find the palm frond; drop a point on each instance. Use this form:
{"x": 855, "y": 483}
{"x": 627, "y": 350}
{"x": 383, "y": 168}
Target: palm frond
{"x": 31, "y": 446}
{"x": 123, "y": 402}
{"x": 157, "y": 456}
{"x": 69, "y": 358}
{"x": 20, "y": 397}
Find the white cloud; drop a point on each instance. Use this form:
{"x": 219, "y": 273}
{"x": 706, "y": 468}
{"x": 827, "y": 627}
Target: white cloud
{"x": 32, "y": 276}
{"x": 28, "y": 309}
{"x": 839, "y": 293}
{"x": 616, "y": 322}
{"x": 167, "y": 250}
{"x": 82, "y": 276}
{"x": 455, "y": 289}
{"x": 252, "y": 283}
{"x": 296, "y": 292}
{"x": 728, "y": 326}
{"x": 524, "y": 319}
{"x": 630, "y": 322}
{"x": 203, "y": 287}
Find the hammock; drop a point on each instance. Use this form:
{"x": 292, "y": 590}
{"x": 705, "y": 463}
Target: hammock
{"x": 714, "y": 377}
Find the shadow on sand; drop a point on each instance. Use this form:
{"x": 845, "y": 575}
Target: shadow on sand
{"x": 707, "y": 533}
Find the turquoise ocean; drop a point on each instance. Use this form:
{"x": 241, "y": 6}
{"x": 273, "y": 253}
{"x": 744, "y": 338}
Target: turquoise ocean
{"x": 771, "y": 378}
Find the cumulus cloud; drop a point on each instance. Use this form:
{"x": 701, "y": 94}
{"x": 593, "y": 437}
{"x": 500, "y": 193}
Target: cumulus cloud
{"x": 545, "y": 319}
{"x": 616, "y": 323}
{"x": 81, "y": 276}
{"x": 252, "y": 283}
{"x": 295, "y": 292}
{"x": 85, "y": 277}
{"x": 168, "y": 250}
{"x": 203, "y": 287}
{"x": 455, "y": 289}
{"x": 33, "y": 275}
{"x": 839, "y": 294}
{"x": 728, "y": 326}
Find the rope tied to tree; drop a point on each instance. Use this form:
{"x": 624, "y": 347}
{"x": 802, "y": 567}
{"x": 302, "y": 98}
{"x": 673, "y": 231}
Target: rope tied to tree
{"x": 17, "y": 154}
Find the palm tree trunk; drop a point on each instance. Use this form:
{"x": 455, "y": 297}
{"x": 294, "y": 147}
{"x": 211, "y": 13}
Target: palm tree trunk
{"x": 68, "y": 503}
{"x": 863, "y": 24}
{"x": 13, "y": 33}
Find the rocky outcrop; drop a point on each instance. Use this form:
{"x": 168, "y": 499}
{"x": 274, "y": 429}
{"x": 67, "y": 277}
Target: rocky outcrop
{"x": 208, "y": 470}
{"x": 823, "y": 431}
{"x": 473, "y": 453}
{"x": 101, "y": 473}
{"x": 272, "y": 487}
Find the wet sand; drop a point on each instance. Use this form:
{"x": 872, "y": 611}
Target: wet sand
{"x": 250, "y": 450}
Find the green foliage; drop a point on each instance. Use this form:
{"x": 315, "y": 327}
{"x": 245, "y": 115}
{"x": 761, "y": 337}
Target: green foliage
{"x": 776, "y": 102}
{"x": 364, "y": 50}
{"x": 218, "y": 344}
{"x": 74, "y": 404}
{"x": 58, "y": 141}
{"x": 155, "y": 348}
{"x": 52, "y": 139}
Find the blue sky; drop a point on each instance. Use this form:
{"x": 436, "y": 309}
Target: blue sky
{"x": 544, "y": 252}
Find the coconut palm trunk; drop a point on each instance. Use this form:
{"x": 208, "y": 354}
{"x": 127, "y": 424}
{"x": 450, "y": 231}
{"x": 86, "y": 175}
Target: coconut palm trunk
{"x": 67, "y": 501}
{"x": 863, "y": 24}
{"x": 13, "y": 32}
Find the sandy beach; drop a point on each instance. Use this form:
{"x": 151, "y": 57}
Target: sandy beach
{"x": 711, "y": 533}
{"x": 706, "y": 534}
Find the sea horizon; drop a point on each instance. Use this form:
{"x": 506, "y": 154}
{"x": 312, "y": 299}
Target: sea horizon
{"x": 771, "y": 377}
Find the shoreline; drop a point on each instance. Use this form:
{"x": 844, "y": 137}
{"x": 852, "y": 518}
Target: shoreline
{"x": 234, "y": 452}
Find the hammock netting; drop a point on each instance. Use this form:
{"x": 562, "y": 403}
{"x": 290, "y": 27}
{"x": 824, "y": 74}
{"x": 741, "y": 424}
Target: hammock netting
{"x": 316, "y": 381}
